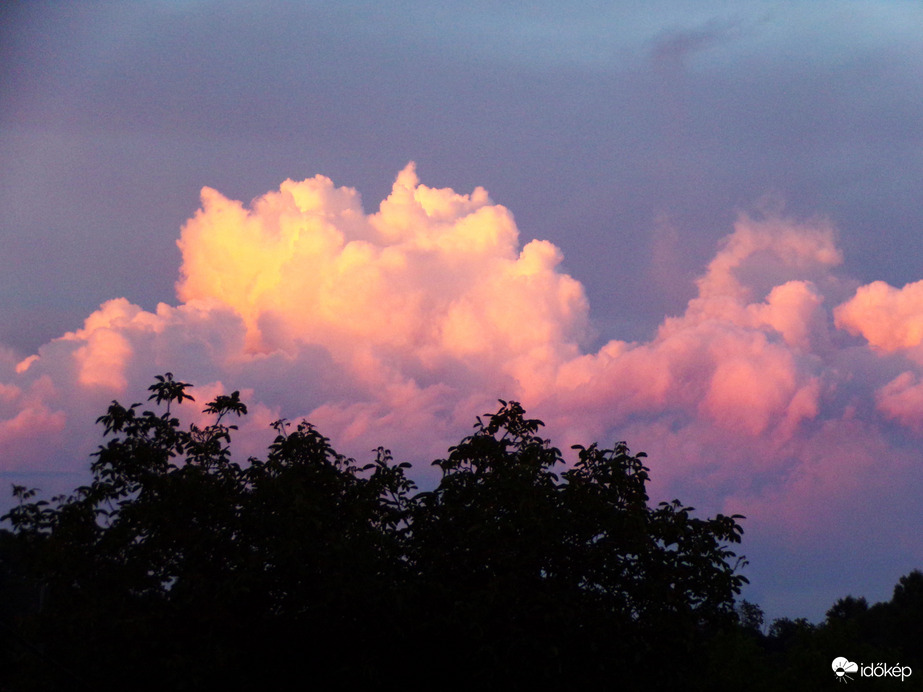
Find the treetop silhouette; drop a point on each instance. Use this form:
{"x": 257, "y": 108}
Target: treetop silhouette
{"x": 179, "y": 566}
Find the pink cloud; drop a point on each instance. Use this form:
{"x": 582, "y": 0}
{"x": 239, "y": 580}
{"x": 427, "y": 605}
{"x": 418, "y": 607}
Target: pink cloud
{"x": 890, "y": 319}
{"x": 397, "y": 327}
{"x": 901, "y": 399}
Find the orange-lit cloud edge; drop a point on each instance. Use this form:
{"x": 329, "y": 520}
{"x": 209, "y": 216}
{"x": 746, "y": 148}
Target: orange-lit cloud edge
{"x": 782, "y": 392}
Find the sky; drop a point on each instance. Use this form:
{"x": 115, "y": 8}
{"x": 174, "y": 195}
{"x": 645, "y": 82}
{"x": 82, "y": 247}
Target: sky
{"x": 690, "y": 226}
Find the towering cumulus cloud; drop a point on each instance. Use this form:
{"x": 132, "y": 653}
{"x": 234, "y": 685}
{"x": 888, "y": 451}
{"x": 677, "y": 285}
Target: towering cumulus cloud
{"x": 781, "y": 392}
{"x": 431, "y": 289}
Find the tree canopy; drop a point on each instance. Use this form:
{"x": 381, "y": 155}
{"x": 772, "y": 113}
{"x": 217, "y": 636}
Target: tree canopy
{"x": 179, "y": 567}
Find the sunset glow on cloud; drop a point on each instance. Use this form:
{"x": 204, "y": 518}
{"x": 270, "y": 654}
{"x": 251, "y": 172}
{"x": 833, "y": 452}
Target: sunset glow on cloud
{"x": 890, "y": 319}
{"x": 694, "y": 227}
{"x": 398, "y": 327}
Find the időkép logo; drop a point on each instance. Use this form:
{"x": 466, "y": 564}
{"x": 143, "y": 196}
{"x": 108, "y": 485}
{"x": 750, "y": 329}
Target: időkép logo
{"x": 842, "y": 667}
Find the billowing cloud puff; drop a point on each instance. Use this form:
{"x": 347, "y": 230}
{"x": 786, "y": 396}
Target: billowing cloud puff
{"x": 740, "y": 359}
{"x": 434, "y": 280}
{"x": 399, "y": 326}
{"x": 890, "y": 319}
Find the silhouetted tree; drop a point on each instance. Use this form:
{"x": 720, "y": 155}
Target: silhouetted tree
{"x": 178, "y": 567}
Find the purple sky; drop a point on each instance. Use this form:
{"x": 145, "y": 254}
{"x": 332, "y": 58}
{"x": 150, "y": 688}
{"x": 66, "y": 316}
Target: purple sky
{"x": 631, "y": 135}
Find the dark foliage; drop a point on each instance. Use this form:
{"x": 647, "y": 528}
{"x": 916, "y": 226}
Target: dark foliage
{"x": 796, "y": 655}
{"x": 179, "y": 568}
